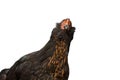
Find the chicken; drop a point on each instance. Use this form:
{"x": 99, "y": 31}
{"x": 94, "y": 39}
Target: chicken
{"x": 49, "y": 63}
{"x": 3, "y": 74}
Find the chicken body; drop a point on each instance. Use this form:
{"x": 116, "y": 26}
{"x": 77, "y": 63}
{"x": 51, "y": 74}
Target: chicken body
{"x": 49, "y": 63}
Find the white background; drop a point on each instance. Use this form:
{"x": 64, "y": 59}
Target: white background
{"x": 26, "y": 25}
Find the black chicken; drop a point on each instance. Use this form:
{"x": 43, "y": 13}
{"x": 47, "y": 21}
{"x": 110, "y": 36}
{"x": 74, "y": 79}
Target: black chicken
{"x": 49, "y": 63}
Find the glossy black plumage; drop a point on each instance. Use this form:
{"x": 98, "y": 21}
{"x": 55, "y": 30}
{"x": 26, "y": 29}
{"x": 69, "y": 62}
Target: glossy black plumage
{"x": 49, "y": 63}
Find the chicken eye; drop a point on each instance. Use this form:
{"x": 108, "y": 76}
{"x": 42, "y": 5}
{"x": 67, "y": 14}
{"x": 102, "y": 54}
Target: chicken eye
{"x": 66, "y": 27}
